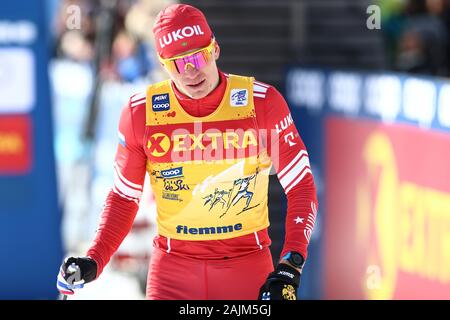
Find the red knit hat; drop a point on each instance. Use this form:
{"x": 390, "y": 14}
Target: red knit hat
{"x": 180, "y": 28}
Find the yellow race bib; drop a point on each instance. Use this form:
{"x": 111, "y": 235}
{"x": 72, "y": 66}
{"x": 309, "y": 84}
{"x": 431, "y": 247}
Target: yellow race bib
{"x": 209, "y": 174}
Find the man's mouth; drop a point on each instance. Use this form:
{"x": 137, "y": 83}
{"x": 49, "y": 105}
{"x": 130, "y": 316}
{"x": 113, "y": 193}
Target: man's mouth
{"x": 196, "y": 85}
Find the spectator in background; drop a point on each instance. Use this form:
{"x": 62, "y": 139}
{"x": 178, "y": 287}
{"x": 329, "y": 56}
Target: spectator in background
{"x": 76, "y": 47}
{"x": 124, "y": 52}
{"x": 423, "y": 44}
{"x": 441, "y": 8}
{"x": 64, "y": 21}
{"x": 393, "y": 20}
{"x": 139, "y": 19}
{"x": 131, "y": 56}
{"x": 72, "y": 79}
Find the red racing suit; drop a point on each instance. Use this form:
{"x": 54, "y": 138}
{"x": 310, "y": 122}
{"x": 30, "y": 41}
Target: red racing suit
{"x": 290, "y": 160}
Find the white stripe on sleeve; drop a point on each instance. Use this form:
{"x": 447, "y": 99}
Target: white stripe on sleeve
{"x": 298, "y": 179}
{"x": 294, "y": 161}
{"x": 139, "y": 96}
{"x": 116, "y": 191}
{"x": 295, "y": 171}
{"x": 127, "y": 191}
{"x": 125, "y": 180}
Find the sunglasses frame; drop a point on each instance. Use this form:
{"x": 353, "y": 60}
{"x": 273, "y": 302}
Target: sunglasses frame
{"x": 170, "y": 63}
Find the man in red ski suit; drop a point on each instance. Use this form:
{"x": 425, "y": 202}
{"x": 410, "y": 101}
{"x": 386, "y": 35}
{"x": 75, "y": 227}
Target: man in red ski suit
{"x": 208, "y": 141}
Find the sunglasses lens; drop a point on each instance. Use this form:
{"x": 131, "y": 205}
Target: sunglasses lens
{"x": 197, "y": 60}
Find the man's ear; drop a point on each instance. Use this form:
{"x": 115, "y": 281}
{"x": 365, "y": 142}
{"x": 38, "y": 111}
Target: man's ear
{"x": 216, "y": 51}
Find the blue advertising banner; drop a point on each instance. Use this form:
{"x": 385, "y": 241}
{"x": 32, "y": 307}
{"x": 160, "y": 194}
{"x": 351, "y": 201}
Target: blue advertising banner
{"x": 30, "y": 239}
{"x": 378, "y": 147}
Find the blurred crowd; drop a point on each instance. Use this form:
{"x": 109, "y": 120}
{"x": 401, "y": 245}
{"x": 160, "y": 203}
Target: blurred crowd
{"x": 115, "y": 32}
{"x": 103, "y": 52}
{"x": 417, "y": 34}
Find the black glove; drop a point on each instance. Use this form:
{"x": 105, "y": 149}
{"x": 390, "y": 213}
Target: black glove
{"x": 282, "y": 284}
{"x": 74, "y": 273}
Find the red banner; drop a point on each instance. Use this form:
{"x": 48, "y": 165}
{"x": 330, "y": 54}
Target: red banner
{"x": 15, "y": 144}
{"x": 387, "y": 228}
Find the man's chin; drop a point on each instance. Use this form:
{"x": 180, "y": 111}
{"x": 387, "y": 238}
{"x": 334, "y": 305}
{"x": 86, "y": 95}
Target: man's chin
{"x": 197, "y": 94}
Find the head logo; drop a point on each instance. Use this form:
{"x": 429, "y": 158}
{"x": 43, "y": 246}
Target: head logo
{"x": 179, "y": 34}
{"x": 160, "y": 102}
{"x": 239, "y": 97}
{"x": 158, "y": 144}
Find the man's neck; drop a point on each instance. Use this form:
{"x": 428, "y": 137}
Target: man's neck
{"x": 213, "y": 87}
{"x": 206, "y": 105}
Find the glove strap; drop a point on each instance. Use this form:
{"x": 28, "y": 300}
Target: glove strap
{"x": 286, "y": 273}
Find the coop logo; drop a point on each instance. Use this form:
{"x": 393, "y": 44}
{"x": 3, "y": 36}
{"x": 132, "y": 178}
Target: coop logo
{"x": 405, "y": 220}
{"x": 180, "y": 34}
{"x": 172, "y": 173}
{"x": 239, "y": 97}
{"x": 160, "y": 102}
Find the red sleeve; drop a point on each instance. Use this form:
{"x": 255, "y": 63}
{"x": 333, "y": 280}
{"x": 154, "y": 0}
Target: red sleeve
{"x": 291, "y": 161}
{"x": 121, "y": 205}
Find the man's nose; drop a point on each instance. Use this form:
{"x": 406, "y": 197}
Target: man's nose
{"x": 188, "y": 66}
{"x": 190, "y": 71}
